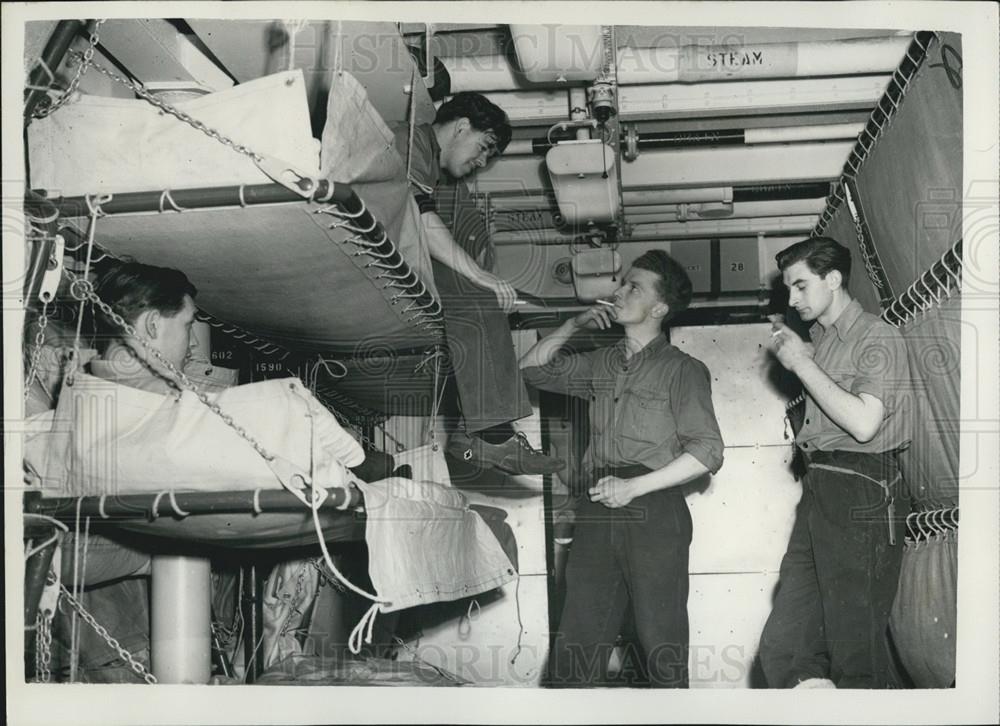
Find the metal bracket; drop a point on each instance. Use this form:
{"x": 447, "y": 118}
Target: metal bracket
{"x": 53, "y": 271}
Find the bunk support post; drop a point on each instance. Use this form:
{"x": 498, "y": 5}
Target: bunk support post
{"x": 180, "y": 634}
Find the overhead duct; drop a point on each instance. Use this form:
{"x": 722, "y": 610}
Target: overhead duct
{"x": 698, "y": 167}
{"x": 674, "y": 230}
{"x": 558, "y": 53}
{"x": 638, "y": 142}
{"x": 723, "y": 98}
{"x": 706, "y": 63}
{"x": 714, "y": 210}
{"x": 547, "y": 54}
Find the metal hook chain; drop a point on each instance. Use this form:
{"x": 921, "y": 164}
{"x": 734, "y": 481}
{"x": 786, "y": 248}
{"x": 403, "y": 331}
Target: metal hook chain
{"x": 36, "y": 353}
{"x": 43, "y": 647}
{"x": 86, "y": 62}
{"x": 133, "y": 663}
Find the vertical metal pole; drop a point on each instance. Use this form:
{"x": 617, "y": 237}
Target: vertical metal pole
{"x": 180, "y": 640}
{"x": 252, "y": 609}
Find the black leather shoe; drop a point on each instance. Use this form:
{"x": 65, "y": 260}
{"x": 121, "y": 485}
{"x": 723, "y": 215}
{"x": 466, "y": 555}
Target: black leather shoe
{"x": 514, "y": 456}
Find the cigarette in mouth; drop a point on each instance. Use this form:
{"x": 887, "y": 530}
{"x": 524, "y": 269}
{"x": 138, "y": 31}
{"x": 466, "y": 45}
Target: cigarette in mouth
{"x": 606, "y": 303}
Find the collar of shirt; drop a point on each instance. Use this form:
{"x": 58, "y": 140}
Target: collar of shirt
{"x": 651, "y": 348}
{"x": 844, "y": 322}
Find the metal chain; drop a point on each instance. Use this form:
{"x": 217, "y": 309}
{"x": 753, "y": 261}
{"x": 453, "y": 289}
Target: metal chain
{"x": 82, "y": 289}
{"x": 140, "y": 90}
{"x": 134, "y": 664}
{"x": 325, "y": 576}
{"x": 87, "y": 60}
{"x": 36, "y": 353}
{"x": 43, "y": 648}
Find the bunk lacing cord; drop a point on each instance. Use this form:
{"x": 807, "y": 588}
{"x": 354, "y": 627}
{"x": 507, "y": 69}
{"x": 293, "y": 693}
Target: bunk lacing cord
{"x": 366, "y": 248}
{"x": 86, "y": 61}
{"x": 930, "y": 524}
{"x": 912, "y": 301}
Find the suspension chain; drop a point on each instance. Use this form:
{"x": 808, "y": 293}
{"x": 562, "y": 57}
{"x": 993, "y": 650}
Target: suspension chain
{"x": 86, "y": 62}
{"x": 140, "y": 90}
{"x": 82, "y": 289}
{"x": 134, "y": 664}
{"x": 43, "y": 647}
{"x": 36, "y": 353}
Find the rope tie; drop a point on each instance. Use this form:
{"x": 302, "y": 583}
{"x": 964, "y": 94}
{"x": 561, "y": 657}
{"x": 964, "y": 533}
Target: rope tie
{"x": 156, "y": 504}
{"x": 165, "y": 196}
{"x": 173, "y": 503}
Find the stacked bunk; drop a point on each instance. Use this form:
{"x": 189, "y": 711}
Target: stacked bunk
{"x": 306, "y": 250}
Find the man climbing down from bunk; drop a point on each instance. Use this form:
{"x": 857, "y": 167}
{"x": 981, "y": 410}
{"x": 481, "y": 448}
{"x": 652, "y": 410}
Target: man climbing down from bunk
{"x": 467, "y": 131}
{"x": 839, "y": 575}
{"x": 653, "y": 428}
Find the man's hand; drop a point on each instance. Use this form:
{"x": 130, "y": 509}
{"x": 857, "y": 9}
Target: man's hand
{"x": 598, "y": 317}
{"x": 505, "y": 292}
{"x": 789, "y": 347}
{"x": 613, "y": 492}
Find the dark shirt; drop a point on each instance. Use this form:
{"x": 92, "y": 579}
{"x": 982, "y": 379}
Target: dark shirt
{"x": 645, "y": 410}
{"x": 423, "y": 162}
{"x": 862, "y": 354}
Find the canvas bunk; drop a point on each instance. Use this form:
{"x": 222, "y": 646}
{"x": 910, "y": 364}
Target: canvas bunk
{"x": 285, "y": 256}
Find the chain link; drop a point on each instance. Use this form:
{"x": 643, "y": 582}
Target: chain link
{"x": 86, "y": 61}
{"x": 43, "y": 647}
{"x": 134, "y": 664}
{"x": 36, "y": 353}
{"x": 83, "y": 290}
{"x": 140, "y": 90}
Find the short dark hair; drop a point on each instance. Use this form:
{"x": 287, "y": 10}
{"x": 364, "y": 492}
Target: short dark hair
{"x": 674, "y": 285}
{"x": 132, "y": 287}
{"x": 483, "y": 114}
{"x": 821, "y": 255}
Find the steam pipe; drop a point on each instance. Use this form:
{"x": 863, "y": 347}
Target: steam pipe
{"x": 698, "y": 63}
{"x": 717, "y": 137}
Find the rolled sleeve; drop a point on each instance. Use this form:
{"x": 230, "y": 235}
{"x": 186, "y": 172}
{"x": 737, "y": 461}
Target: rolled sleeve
{"x": 697, "y": 427}
{"x": 568, "y": 374}
{"x": 882, "y": 364}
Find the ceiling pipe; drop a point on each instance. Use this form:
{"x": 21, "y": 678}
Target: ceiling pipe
{"x": 718, "y": 137}
{"x": 638, "y": 200}
{"x": 673, "y": 230}
{"x": 539, "y": 105}
{"x": 700, "y": 63}
{"x": 737, "y": 210}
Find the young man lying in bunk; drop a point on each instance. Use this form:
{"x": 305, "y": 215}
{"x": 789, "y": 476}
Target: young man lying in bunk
{"x": 652, "y": 429}
{"x": 840, "y": 572}
{"x": 159, "y": 304}
{"x": 467, "y": 132}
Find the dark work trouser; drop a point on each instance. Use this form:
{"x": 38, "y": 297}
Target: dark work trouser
{"x": 636, "y": 555}
{"x": 489, "y": 382}
{"x": 839, "y": 575}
